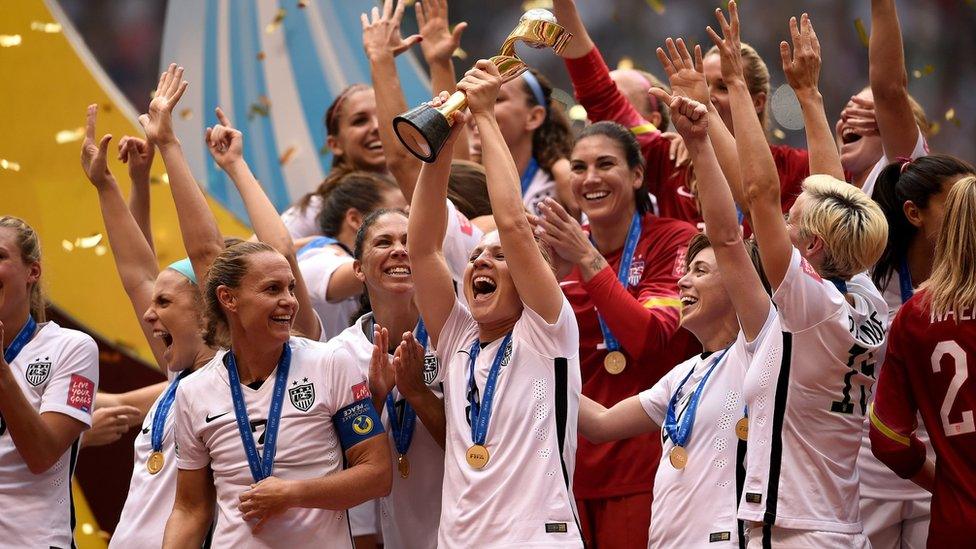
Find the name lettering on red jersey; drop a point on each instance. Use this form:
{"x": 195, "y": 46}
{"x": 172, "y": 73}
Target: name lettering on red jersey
{"x": 81, "y": 392}
{"x": 679, "y": 262}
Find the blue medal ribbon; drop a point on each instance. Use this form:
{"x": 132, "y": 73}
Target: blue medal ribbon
{"x": 623, "y": 272}
{"x": 679, "y": 433}
{"x": 840, "y": 284}
{"x": 23, "y": 337}
{"x": 480, "y": 413}
{"x": 159, "y": 420}
{"x": 905, "y": 281}
{"x": 261, "y": 467}
{"x": 403, "y": 433}
{"x": 320, "y": 242}
{"x": 529, "y": 174}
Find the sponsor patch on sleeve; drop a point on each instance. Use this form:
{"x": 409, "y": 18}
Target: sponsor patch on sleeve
{"x": 360, "y": 391}
{"x": 81, "y": 391}
{"x": 809, "y": 270}
{"x": 356, "y": 423}
{"x": 464, "y": 223}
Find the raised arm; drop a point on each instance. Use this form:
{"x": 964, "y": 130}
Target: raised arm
{"x": 533, "y": 277}
{"x": 567, "y": 16}
{"x": 687, "y": 79}
{"x": 201, "y": 236}
{"x": 802, "y": 71}
{"x": 433, "y": 285}
{"x": 741, "y": 281}
{"x": 382, "y": 42}
{"x": 134, "y": 259}
{"x": 438, "y": 45}
{"x": 889, "y": 81}
{"x": 138, "y": 155}
{"x": 759, "y": 176}
{"x": 226, "y": 146}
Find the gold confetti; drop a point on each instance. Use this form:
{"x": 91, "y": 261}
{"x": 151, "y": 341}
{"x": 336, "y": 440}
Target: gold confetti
{"x": 302, "y": 4}
{"x": 779, "y": 134}
{"x": 50, "y": 28}
{"x": 160, "y": 180}
{"x": 9, "y": 165}
{"x": 10, "y": 40}
{"x": 263, "y": 99}
{"x": 862, "y": 33}
{"x": 100, "y": 250}
{"x": 87, "y": 529}
{"x": 577, "y": 112}
{"x": 625, "y": 64}
{"x": 105, "y": 108}
{"x": 536, "y": 4}
{"x": 656, "y": 5}
{"x": 67, "y": 245}
{"x": 85, "y": 242}
{"x": 186, "y": 114}
{"x": 276, "y": 22}
{"x": 261, "y": 56}
{"x": 257, "y": 109}
{"x": 69, "y": 136}
{"x": 324, "y": 150}
{"x": 935, "y": 128}
{"x": 460, "y": 54}
{"x": 950, "y": 116}
{"x": 924, "y": 71}
{"x": 287, "y": 155}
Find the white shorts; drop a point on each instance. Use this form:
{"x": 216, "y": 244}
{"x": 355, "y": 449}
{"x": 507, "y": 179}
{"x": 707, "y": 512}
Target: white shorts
{"x": 784, "y": 538}
{"x": 364, "y": 519}
{"x": 896, "y": 524}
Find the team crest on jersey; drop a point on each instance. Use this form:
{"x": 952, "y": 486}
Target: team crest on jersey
{"x": 430, "y": 369}
{"x": 636, "y": 271}
{"x": 302, "y": 394}
{"x": 38, "y": 372}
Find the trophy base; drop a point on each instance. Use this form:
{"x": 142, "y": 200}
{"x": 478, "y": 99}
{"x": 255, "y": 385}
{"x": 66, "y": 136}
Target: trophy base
{"x": 423, "y": 131}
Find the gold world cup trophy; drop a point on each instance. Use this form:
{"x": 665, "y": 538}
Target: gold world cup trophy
{"x": 424, "y": 129}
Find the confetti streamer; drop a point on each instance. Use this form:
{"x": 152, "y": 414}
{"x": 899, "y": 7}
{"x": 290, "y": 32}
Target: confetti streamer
{"x": 934, "y": 129}
{"x": 577, "y": 112}
{"x": 779, "y": 134}
{"x": 186, "y": 114}
{"x": 67, "y": 245}
{"x": 924, "y": 71}
{"x": 10, "y": 40}
{"x": 657, "y": 6}
{"x": 160, "y": 180}
{"x": 85, "y": 242}
{"x": 276, "y": 22}
{"x": 9, "y": 165}
{"x": 257, "y": 109}
{"x": 69, "y": 136}
{"x": 950, "y": 116}
{"x": 302, "y": 4}
{"x": 261, "y": 56}
{"x": 50, "y": 28}
{"x": 287, "y": 155}
{"x": 100, "y": 250}
{"x": 460, "y": 54}
{"x": 862, "y": 32}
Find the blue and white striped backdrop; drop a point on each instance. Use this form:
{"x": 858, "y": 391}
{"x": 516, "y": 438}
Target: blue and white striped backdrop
{"x": 311, "y": 55}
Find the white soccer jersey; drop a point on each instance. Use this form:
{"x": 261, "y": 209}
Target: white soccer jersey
{"x": 696, "y": 506}
{"x": 460, "y": 238}
{"x": 150, "y": 497}
{"x": 411, "y": 513}
{"x": 301, "y": 224}
{"x": 317, "y": 266}
{"x": 523, "y": 497}
{"x": 807, "y": 392}
{"x": 57, "y": 371}
{"x": 322, "y": 383}
{"x": 877, "y": 480}
{"x": 542, "y": 186}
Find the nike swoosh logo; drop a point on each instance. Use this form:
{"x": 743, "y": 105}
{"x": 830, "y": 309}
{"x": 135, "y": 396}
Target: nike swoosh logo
{"x": 211, "y": 418}
{"x": 145, "y": 431}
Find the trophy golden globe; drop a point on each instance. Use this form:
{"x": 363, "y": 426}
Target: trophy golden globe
{"x": 424, "y": 130}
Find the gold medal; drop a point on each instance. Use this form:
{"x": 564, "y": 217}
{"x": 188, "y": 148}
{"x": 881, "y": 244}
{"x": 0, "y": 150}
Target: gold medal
{"x": 678, "y": 457}
{"x": 155, "y": 463}
{"x": 742, "y": 428}
{"x": 615, "y": 362}
{"x": 403, "y": 465}
{"x": 477, "y": 456}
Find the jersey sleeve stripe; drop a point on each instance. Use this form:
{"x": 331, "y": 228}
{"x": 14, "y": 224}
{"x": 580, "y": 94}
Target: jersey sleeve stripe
{"x": 887, "y": 431}
{"x": 561, "y": 398}
{"x": 779, "y": 415}
{"x": 652, "y": 302}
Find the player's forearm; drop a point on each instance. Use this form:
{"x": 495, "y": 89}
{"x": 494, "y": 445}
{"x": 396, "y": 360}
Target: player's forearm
{"x": 139, "y": 207}
{"x": 186, "y": 528}
{"x": 723, "y": 143}
{"x": 35, "y": 442}
{"x": 134, "y": 259}
{"x": 390, "y": 102}
{"x": 370, "y": 479}
{"x": 824, "y": 156}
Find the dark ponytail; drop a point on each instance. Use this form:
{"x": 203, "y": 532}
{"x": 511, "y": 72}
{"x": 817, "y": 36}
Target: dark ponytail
{"x": 918, "y": 181}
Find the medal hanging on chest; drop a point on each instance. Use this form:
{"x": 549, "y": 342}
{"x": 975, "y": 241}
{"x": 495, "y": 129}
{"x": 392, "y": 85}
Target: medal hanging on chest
{"x": 156, "y": 460}
{"x": 742, "y": 426}
{"x": 679, "y": 431}
{"x": 615, "y": 362}
{"x": 477, "y": 454}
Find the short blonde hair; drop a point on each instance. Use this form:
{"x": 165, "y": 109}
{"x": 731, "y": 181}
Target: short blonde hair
{"x": 852, "y": 226}
{"x": 952, "y": 286}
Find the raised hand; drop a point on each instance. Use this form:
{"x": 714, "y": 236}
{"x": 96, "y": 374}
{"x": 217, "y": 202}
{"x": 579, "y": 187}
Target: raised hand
{"x": 438, "y": 40}
{"x": 729, "y": 45}
{"x": 860, "y": 116}
{"x": 138, "y": 155}
{"x": 686, "y": 76}
{"x": 689, "y": 117}
{"x": 480, "y": 84}
{"x": 226, "y": 143}
{"x": 802, "y": 68}
{"x": 158, "y": 123}
{"x": 381, "y": 377}
{"x": 94, "y": 156}
{"x": 408, "y": 365}
{"x": 564, "y": 235}
{"x": 382, "y": 34}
